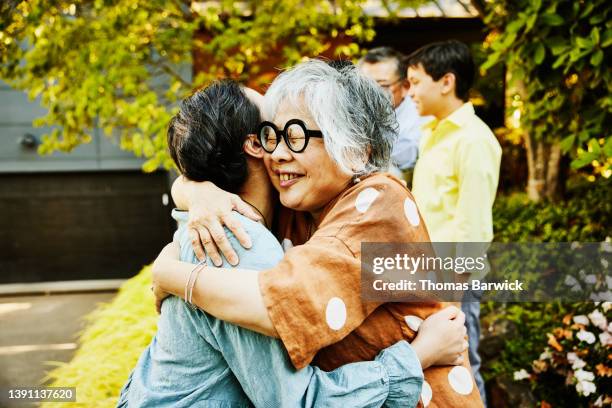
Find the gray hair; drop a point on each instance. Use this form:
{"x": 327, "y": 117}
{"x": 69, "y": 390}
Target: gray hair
{"x": 355, "y": 115}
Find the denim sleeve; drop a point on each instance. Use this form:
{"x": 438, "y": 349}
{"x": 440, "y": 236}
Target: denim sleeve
{"x": 405, "y": 375}
{"x": 259, "y": 363}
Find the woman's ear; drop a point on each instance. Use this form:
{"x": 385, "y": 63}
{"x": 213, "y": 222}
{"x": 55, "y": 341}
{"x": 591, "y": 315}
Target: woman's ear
{"x": 252, "y": 147}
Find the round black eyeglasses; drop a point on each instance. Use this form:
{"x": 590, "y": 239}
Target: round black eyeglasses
{"x": 295, "y": 134}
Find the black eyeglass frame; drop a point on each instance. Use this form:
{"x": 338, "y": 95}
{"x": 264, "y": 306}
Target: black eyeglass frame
{"x": 308, "y": 133}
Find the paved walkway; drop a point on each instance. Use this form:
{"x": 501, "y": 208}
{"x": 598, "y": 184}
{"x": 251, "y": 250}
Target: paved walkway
{"x": 38, "y": 329}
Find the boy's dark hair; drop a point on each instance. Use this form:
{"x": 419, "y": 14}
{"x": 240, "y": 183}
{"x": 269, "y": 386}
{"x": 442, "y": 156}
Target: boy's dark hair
{"x": 206, "y": 137}
{"x": 380, "y": 54}
{"x": 440, "y": 58}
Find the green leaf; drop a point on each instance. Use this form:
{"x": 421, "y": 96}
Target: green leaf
{"x": 576, "y": 54}
{"x": 552, "y": 19}
{"x": 560, "y": 60}
{"x": 597, "y": 58}
{"x": 584, "y": 42}
{"x": 531, "y": 22}
{"x": 491, "y": 61}
{"x": 596, "y": 19}
{"x": 606, "y": 38}
{"x": 508, "y": 40}
{"x": 587, "y": 9}
{"x": 515, "y": 26}
{"x": 583, "y": 160}
{"x": 608, "y": 147}
{"x": 594, "y": 147}
{"x": 595, "y": 35}
{"x": 567, "y": 143}
{"x": 557, "y": 45}
{"x": 540, "y": 53}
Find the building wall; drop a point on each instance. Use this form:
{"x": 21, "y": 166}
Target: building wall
{"x": 16, "y": 115}
{"x": 88, "y": 214}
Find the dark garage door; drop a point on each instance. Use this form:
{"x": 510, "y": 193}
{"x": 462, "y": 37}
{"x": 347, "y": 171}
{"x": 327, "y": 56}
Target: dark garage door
{"x": 87, "y": 225}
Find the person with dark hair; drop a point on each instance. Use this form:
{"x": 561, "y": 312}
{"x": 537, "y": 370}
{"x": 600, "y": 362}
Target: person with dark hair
{"x": 456, "y": 175}
{"x": 388, "y": 68}
{"x": 205, "y": 144}
{"x": 196, "y": 359}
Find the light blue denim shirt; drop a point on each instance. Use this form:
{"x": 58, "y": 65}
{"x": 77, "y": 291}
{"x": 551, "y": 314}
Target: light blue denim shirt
{"x": 196, "y": 360}
{"x": 406, "y": 148}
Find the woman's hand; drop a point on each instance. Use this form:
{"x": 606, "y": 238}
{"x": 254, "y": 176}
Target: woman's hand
{"x": 441, "y": 339}
{"x": 169, "y": 252}
{"x": 160, "y": 296}
{"x": 210, "y": 208}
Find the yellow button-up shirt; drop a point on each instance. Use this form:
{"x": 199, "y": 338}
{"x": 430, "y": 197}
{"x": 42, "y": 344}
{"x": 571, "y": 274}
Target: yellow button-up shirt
{"x": 456, "y": 176}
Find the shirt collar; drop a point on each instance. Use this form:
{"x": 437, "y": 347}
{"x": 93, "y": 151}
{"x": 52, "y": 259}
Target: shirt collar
{"x": 459, "y": 117}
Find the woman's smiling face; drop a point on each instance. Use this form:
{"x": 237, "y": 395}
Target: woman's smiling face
{"x": 309, "y": 180}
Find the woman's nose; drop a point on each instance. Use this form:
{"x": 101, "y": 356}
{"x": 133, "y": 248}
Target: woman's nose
{"x": 282, "y": 152}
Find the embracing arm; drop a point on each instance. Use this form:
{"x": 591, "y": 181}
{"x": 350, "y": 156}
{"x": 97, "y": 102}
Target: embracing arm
{"x": 232, "y": 295}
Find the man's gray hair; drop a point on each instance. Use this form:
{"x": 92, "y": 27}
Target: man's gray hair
{"x": 355, "y": 115}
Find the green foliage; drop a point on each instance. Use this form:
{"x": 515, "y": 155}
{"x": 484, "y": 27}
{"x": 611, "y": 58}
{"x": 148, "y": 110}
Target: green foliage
{"x": 121, "y": 65}
{"x": 110, "y": 346}
{"x": 543, "y": 334}
{"x": 556, "y": 52}
{"x": 586, "y": 216}
{"x": 530, "y": 323}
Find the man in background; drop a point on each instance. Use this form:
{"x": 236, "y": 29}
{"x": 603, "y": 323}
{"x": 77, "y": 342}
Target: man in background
{"x": 388, "y": 68}
{"x": 456, "y": 175}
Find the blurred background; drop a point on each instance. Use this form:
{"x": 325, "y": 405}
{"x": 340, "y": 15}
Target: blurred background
{"x": 88, "y": 87}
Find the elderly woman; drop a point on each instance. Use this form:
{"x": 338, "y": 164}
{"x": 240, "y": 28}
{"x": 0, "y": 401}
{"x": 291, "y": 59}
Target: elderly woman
{"x": 330, "y": 136}
{"x": 197, "y": 360}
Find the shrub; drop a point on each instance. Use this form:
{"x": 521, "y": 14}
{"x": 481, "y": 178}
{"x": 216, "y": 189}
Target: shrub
{"x": 116, "y": 334}
{"x": 543, "y": 344}
{"x": 585, "y": 216}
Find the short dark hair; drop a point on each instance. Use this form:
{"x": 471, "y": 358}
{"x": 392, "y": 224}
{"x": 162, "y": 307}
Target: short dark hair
{"x": 207, "y": 135}
{"x": 380, "y": 54}
{"x": 440, "y": 58}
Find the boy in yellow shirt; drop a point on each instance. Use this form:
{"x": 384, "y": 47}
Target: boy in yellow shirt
{"x": 456, "y": 174}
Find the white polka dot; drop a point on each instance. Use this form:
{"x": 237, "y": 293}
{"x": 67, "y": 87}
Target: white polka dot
{"x": 414, "y": 322}
{"x": 426, "y": 394}
{"x": 287, "y": 244}
{"x": 335, "y": 314}
{"x": 411, "y": 212}
{"x": 461, "y": 380}
{"x": 365, "y": 199}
